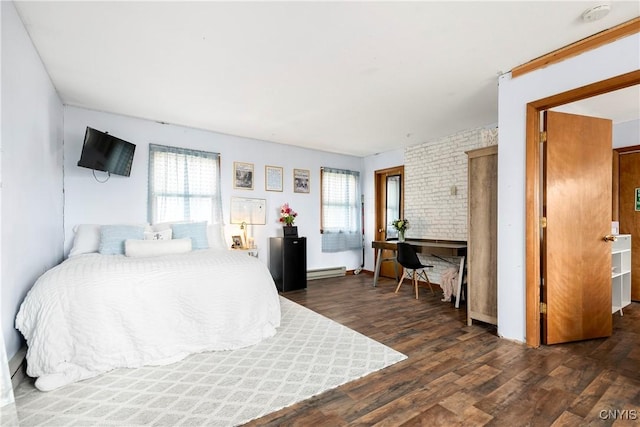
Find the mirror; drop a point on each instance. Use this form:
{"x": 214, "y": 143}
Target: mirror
{"x": 392, "y": 211}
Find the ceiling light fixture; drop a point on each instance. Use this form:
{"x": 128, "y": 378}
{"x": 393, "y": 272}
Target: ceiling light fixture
{"x": 596, "y": 12}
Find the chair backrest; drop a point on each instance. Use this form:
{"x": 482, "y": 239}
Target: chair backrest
{"x": 407, "y": 256}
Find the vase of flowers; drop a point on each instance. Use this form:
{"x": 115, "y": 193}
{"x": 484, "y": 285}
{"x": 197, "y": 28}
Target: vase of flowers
{"x": 400, "y": 225}
{"x": 287, "y": 215}
{"x": 287, "y": 218}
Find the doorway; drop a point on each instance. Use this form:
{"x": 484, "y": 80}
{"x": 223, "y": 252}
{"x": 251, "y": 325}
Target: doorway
{"x": 389, "y": 205}
{"x": 532, "y": 184}
{"x": 626, "y": 207}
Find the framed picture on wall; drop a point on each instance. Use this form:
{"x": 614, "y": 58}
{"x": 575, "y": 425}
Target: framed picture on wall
{"x": 243, "y": 175}
{"x": 273, "y": 178}
{"x": 301, "y": 180}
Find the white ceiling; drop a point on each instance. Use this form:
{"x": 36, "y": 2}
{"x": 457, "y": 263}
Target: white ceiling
{"x": 348, "y": 77}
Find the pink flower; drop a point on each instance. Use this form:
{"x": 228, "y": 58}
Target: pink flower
{"x": 287, "y": 215}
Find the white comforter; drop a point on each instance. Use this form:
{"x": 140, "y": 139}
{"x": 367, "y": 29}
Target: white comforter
{"x": 94, "y": 313}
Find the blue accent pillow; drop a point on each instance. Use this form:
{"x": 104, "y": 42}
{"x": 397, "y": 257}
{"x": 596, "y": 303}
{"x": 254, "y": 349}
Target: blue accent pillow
{"x": 112, "y": 238}
{"x": 196, "y": 231}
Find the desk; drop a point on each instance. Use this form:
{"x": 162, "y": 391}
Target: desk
{"x": 437, "y": 248}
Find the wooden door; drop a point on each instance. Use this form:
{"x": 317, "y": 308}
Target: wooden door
{"x": 383, "y": 211}
{"x": 576, "y": 261}
{"x": 629, "y": 181}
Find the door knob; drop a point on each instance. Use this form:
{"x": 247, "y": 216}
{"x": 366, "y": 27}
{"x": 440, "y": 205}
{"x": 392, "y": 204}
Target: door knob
{"x": 380, "y": 230}
{"x": 609, "y": 238}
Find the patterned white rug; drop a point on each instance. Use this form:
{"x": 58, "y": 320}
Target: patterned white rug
{"x": 309, "y": 354}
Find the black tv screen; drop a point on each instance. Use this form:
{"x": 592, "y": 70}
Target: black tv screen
{"x": 107, "y": 153}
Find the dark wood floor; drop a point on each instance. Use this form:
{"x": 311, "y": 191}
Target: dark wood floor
{"x": 465, "y": 375}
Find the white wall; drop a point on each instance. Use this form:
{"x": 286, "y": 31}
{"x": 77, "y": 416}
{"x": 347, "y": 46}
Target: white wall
{"x": 613, "y": 59}
{"x": 626, "y": 134}
{"x": 31, "y": 171}
{"x": 124, "y": 200}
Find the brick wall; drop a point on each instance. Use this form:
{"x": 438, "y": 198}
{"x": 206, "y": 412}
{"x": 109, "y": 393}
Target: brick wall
{"x": 436, "y": 188}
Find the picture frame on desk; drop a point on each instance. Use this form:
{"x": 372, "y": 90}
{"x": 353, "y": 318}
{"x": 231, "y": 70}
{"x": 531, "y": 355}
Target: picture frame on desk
{"x": 290, "y": 231}
{"x": 237, "y": 242}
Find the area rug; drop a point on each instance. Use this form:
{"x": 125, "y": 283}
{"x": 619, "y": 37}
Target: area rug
{"x": 309, "y": 354}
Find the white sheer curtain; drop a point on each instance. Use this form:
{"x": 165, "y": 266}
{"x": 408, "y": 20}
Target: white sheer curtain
{"x": 184, "y": 185}
{"x": 341, "y": 211}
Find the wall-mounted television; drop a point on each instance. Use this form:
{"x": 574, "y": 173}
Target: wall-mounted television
{"x": 104, "y": 152}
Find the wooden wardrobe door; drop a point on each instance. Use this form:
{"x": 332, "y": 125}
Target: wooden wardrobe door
{"x": 482, "y": 278}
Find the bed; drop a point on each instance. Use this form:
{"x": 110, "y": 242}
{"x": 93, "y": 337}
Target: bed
{"x": 94, "y": 312}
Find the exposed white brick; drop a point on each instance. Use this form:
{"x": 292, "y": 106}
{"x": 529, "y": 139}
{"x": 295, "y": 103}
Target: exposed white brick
{"x": 431, "y": 169}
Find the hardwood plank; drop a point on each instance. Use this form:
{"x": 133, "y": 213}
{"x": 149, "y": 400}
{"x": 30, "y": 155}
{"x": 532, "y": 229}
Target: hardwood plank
{"x": 463, "y": 375}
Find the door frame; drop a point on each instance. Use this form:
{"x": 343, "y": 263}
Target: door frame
{"x": 380, "y": 196}
{"x": 533, "y": 187}
{"x": 616, "y": 177}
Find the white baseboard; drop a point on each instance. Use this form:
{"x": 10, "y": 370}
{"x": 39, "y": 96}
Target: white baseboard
{"x": 17, "y": 367}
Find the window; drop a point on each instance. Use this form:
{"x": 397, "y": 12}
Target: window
{"x": 183, "y": 185}
{"x": 341, "y": 218}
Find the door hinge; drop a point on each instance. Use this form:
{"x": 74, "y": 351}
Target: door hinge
{"x": 543, "y": 136}
{"x": 543, "y": 222}
{"x": 543, "y": 307}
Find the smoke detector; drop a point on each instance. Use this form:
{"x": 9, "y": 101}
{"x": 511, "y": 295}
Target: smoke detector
{"x": 596, "y": 12}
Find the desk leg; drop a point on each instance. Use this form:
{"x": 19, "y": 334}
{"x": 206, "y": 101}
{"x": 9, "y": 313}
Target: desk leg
{"x": 460, "y": 274}
{"x": 376, "y": 274}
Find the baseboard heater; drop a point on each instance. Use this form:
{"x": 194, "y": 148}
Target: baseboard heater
{"x": 325, "y": 273}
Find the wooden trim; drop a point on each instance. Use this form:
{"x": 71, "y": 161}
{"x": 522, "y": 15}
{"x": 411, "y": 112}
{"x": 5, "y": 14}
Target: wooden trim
{"x": 622, "y": 81}
{"x": 480, "y": 152}
{"x": 592, "y": 42}
{"x": 380, "y": 191}
{"x": 615, "y": 186}
{"x": 532, "y": 242}
{"x": 627, "y": 150}
{"x": 532, "y": 188}
{"x": 321, "y": 193}
{"x": 617, "y": 152}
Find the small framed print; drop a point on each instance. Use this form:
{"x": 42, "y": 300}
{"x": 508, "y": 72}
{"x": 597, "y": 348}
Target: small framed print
{"x": 273, "y": 178}
{"x": 243, "y": 175}
{"x": 237, "y": 242}
{"x": 301, "y": 180}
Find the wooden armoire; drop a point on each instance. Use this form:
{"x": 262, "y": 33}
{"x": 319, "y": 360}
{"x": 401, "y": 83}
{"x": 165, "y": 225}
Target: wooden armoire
{"x": 482, "y": 273}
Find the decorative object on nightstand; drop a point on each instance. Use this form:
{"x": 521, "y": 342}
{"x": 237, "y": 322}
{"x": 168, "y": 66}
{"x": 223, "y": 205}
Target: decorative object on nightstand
{"x": 400, "y": 225}
{"x": 237, "y": 242}
{"x": 245, "y": 212}
{"x": 287, "y": 218}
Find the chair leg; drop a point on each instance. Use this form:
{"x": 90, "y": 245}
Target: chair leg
{"x": 400, "y": 283}
{"x": 415, "y": 282}
{"x": 425, "y": 276}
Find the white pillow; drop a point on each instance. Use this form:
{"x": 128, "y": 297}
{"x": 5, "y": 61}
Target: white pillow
{"x": 87, "y": 238}
{"x": 158, "y": 235}
{"x": 215, "y": 233}
{"x": 150, "y": 248}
